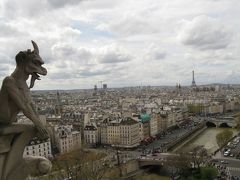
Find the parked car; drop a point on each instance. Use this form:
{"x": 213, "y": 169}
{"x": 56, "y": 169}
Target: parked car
{"x": 214, "y": 160}
{"x": 226, "y": 154}
{"x": 224, "y": 162}
{"x": 235, "y": 178}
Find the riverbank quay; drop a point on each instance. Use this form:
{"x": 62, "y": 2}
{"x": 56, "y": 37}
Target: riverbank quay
{"x": 167, "y": 138}
{"x": 186, "y": 138}
{"x": 219, "y": 150}
{"x": 231, "y": 163}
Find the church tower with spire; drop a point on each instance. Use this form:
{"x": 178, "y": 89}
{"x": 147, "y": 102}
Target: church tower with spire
{"x": 58, "y": 106}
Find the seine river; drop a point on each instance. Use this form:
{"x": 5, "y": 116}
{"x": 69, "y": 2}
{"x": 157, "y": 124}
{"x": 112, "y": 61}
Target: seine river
{"x": 207, "y": 139}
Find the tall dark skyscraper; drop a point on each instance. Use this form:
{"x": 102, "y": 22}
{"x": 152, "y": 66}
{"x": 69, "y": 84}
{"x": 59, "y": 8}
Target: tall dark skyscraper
{"x": 104, "y": 86}
{"x": 193, "y": 80}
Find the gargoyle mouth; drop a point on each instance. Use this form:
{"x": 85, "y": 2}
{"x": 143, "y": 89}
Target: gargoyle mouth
{"x": 35, "y": 76}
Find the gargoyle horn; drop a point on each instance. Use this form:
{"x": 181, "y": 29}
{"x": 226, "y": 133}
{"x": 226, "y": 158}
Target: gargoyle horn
{"x": 35, "y": 47}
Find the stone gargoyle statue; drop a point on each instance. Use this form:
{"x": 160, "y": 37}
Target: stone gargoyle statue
{"x": 15, "y": 97}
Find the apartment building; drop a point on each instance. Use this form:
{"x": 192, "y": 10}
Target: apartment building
{"x": 129, "y": 133}
{"x": 66, "y": 138}
{"x": 122, "y": 132}
{"x": 38, "y": 147}
{"x": 91, "y": 134}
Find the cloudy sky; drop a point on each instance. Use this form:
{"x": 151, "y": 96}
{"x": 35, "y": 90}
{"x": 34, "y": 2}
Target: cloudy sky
{"x": 124, "y": 42}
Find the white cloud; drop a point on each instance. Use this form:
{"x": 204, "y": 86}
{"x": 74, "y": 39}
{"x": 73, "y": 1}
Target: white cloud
{"x": 125, "y": 42}
{"x": 71, "y": 33}
{"x": 205, "y": 33}
{"x": 62, "y": 3}
{"x": 8, "y": 30}
{"x": 113, "y": 54}
{"x": 154, "y": 52}
{"x": 29, "y": 9}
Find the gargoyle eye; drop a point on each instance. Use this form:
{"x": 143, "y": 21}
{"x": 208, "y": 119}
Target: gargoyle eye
{"x": 38, "y": 63}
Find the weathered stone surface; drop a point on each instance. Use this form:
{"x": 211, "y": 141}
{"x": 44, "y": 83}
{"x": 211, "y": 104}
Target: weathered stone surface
{"x": 15, "y": 97}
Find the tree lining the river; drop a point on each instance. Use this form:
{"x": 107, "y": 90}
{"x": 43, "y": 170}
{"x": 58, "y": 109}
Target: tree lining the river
{"x": 223, "y": 137}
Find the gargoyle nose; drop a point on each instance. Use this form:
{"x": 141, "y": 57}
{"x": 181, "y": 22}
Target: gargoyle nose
{"x": 44, "y": 71}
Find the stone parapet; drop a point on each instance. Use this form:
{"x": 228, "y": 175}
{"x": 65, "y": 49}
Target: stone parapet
{"x": 13, "y": 139}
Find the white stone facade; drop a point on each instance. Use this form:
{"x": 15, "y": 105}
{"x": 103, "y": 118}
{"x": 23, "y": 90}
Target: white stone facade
{"x": 153, "y": 127}
{"x": 66, "y": 139}
{"x": 91, "y": 134}
{"x": 38, "y": 148}
{"x": 120, "y": 132}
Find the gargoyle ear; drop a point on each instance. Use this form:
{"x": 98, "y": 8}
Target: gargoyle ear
{"x": 35, "y": 50}
{"x": 20, "y": 57}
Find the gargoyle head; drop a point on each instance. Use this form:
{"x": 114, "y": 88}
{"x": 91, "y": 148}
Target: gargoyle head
{"x": 31, "y": 63}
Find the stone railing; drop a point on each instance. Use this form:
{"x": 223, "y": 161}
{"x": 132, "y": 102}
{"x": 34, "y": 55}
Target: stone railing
{"x": 13, "y": 139}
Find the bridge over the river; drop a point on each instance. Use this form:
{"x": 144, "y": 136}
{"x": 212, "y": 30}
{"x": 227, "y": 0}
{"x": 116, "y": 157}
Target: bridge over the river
{"x": 221, "y": 122}
{"x": 157, "y": 159}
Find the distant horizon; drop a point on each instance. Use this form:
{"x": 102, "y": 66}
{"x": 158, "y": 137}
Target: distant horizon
{"x": 211, "y": 84}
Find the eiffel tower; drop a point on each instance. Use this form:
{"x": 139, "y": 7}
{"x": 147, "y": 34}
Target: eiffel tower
{"x": 193, "y": 80}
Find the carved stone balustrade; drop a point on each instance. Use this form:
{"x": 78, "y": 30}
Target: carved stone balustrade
{"x": 13, "y": 139}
